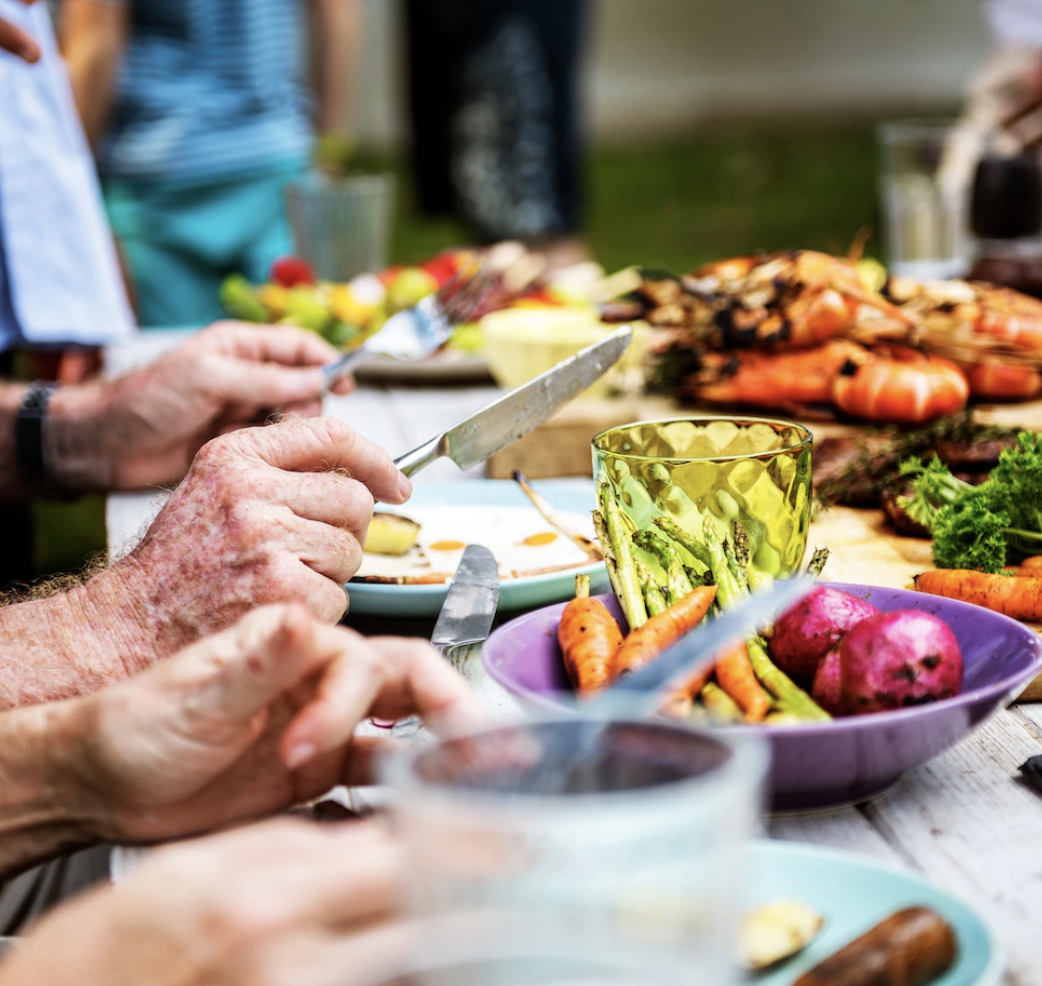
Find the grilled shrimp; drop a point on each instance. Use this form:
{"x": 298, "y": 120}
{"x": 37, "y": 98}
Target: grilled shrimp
{"x": 798, "y": 298}
{"x": 1002, "y": 381}
{"x": 902, "y": 387}
{"x": 774, "y": 379}
{"x": 960, "y": 309}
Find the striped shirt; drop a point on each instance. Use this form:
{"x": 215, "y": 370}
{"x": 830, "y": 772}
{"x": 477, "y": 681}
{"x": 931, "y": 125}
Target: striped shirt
{"x": 209, "y": 89}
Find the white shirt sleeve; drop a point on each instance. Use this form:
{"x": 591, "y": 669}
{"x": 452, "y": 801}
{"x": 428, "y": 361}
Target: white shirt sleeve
{"x": 61, "y": 265}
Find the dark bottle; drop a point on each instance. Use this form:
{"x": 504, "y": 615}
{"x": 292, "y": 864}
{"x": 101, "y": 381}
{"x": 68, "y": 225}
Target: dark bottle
{"x": 1006, "y": 202}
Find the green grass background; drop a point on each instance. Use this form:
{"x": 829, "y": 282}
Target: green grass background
{"x": 671, "y": 206}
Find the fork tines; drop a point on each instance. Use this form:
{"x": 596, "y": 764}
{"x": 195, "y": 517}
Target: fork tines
{"x": 462, "y": 297}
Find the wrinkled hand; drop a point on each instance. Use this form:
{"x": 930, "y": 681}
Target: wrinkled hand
{"x": 265, "y": 515}
{"x": 280, "y": 903}
{"x": 251, "y": 721}
{"x": 17, "y": 42}
{"x": 143, "y": 429}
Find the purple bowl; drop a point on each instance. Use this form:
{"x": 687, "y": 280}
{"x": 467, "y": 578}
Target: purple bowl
{"x": 845, "y": 761}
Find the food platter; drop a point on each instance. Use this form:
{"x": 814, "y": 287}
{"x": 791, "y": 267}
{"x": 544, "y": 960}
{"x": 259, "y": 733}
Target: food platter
{"x": 473, "y": 499}
{"x": 847, "y": 760}
{"x": 854, "y": 893}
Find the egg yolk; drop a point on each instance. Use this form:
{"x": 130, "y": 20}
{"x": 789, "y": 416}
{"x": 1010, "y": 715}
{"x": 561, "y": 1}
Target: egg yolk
{"x": 543, "y": 537}
{"x": 447, "y": 546}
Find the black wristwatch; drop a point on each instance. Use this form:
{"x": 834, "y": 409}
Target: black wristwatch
{"x": 29, "y": 437}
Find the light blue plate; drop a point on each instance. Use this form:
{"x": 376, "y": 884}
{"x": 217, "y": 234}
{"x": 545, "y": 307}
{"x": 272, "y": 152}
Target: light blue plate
{"x": 514, "y": 594}
{"x": 854, "y": 893}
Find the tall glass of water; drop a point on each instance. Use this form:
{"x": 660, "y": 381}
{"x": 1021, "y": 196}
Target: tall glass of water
{"x": 620, "y": 864}
{"x": 925, "y": 214}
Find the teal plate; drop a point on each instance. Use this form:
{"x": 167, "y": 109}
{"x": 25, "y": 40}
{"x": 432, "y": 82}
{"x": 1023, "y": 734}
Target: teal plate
{"x": 526, "y": 592}
{"x": 854, "y": 893}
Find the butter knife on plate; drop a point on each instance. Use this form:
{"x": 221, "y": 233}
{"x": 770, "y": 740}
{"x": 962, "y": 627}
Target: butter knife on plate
{"x": 466, "y": 615}
{"x": 514, "y": 415}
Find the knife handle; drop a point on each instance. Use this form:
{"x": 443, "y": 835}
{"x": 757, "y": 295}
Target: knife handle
{"x": 412, "y": 462}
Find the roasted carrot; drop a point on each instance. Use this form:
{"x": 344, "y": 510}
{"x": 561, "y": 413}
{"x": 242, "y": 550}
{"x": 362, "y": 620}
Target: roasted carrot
{"x": 645, "y": 643}
{"x": 1019, "y": 597}
{"x": 1032, "y": 564}
{"x": 734, "y": 674}
{"x": 589, "y": 639}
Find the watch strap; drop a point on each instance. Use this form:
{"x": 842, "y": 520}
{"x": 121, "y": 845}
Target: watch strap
{"x": 30, "y": 453}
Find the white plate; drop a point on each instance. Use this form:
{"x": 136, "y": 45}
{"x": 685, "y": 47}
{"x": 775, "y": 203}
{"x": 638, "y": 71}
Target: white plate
{"x": 524, "y": 592}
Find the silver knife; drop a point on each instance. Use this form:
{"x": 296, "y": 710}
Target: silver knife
{"x": 466, "y": 615}
{"x": 470, "y": 604}
{"x": 513, "y": 416}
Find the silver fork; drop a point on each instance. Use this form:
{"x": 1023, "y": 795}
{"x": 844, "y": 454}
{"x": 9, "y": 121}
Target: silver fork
{"x": 419, "y": 331}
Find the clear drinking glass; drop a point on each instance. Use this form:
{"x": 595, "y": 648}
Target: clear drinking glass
{"x": 629, "y": 873}
{"x": 342, "y": 226}
{"x": 756, "y": 471}
{"x": 925, "y": 215}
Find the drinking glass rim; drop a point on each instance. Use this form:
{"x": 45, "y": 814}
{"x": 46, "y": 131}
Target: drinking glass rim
{"x": 748, "y": 759}
{"x": 805, "y": 442}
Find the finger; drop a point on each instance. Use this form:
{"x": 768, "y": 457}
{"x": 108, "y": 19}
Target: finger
{"x": 322, "y": 445}
{"x": 327, "y": 497}
{"x": 335, "y": 552}
{"x": 17, "y": 42}
{"x": 345, "y": 692}
{"x": 326, "y": 599}
{"x": 253, "y": 662}
{"x": 391, "y": 678}
{"x": 425, "y": 684}
{"x": 286, "y": 344}
{"x": 344, "y": 385}
{"x": 240, "y": 381}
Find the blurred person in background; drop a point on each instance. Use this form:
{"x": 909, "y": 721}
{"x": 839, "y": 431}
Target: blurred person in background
{"x": 495, "y": 123}
{"x": 200, "y": 113}
{"x": 1003, "y": 94}
{"x": 61, "y": 292}
{"x": 59, "y": 276}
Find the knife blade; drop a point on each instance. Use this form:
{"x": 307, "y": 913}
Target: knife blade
{"x": 514, "y": 415}
{"x": 470, "y": 604}
{"x": 466, "y": 614}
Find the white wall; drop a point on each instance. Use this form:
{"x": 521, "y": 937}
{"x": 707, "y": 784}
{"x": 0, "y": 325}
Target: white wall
{"x": 661, "y": 67}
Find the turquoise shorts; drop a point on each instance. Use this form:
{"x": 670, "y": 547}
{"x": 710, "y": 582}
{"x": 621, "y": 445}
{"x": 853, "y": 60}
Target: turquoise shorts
{"x": 181, "y": 239}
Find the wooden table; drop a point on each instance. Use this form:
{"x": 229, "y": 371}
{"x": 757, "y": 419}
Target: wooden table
{"x": 963, "y": 820}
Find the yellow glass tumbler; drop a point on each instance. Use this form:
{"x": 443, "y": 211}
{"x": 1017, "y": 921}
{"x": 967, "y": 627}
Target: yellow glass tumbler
{"x": 756, "y": 471}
